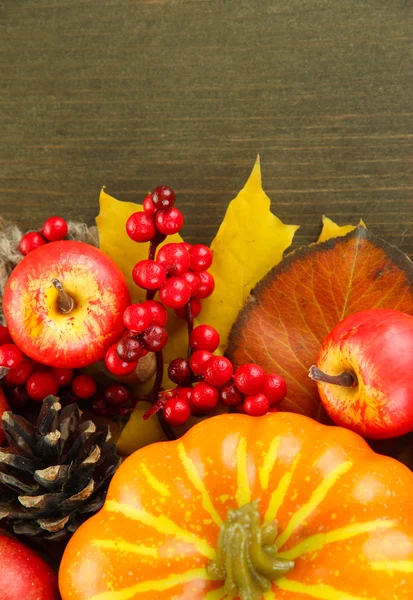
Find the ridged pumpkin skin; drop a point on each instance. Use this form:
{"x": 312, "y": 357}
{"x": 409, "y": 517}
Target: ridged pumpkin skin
{"x": 345, "y": 515}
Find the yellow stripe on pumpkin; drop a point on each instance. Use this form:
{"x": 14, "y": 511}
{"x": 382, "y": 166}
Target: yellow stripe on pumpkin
{"x": 401, "y": 566}
{"x": 317, "y": 590}
{"x": 278, "y": 495}
{"x": 162, "y": 524}
{"x": 264, "y": 472}
{"x": 121, "y": 546}
{"x": 199, "y": 485}
{"x": 243, "y": 493}
{"x": 317, "y": 497}
{"x": 318, "y": 541}
{"x": 269, "y": 595}
{"x": 155, "y": 484}
{"x": 158, "y": 585}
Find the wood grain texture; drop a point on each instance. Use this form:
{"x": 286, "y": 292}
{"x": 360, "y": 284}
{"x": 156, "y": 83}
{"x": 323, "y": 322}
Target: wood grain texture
{"x": 134, "y": 93}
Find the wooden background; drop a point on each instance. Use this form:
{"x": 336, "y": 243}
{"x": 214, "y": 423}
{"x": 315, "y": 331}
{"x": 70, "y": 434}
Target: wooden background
{"x": 134, "y": 93}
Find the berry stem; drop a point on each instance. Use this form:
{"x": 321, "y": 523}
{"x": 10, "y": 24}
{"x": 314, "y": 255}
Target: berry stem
{"x": 344, "y": 379}
{"x": 65, "y": 302}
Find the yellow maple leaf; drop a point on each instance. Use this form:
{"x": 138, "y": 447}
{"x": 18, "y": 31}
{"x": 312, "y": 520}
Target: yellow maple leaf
{"x": 250, "y": 241}
{"x": 332, "y": 230}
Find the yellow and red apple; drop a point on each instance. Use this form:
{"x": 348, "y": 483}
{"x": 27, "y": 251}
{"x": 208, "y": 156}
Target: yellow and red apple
{"x": 64, "y": 304}
{"x": 364, "y": 373}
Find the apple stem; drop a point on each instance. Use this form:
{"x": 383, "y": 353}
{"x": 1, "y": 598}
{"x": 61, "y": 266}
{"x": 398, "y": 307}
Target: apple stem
{"x": 344, "y": 379}
{"x": 64, "y": 302}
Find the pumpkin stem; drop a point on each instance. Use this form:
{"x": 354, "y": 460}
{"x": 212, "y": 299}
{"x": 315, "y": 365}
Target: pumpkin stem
{"x": 246, "y": 554}
{"x": 344, "y": 379}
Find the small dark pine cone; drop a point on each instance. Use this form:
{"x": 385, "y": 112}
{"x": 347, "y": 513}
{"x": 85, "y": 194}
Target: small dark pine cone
{"x": 53, "y": 475}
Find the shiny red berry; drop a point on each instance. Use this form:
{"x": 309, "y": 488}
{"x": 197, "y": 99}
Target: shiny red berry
{"x": 157, "y": 311}
{"x": 55, "y": 229}
{"x": 154, "y": 338}
{"x": 204, "y": 337}
{"x": 196, "y": 308}
{"x": 230, "y": 395}
{"x": 116, "y": 365}
{"x": 40, "y": 385}
{"x": 129, "y": 348}
{"x": 84, "y": 386}
{"x": 63, "y": 376}
{"x": 186, "y": 245}
{"x": 218, "y": 371}
{"x": 249, "y": 378}
{"x": 206, "y": 284}
{"x": 176, "y": 412}
{"x": 201, "y": 257}
{"x": 256, "y": 405}
{"x": 149, "y": 274}
{"x": 30, "y": 241}
{"x": 275, "y": 388}
{"x": 170, "y": 221}
{"x": 163, "y": 197}
{"x": 174, "y": 258}
{"x": 204, "y": 397}
{"x": 141, "y": 227}
{"x": 137, "y": 318}
{"x": 175, "y": 292}
{"x": 193, "y": 281}
{"x": 20, "y": 375}
{"x": 148, "y": 205}
{"x": 11, "y": 356}
{"x": 117, "y": 394}
{"x": 198, "y": 361}
{"x": 5, "y": 337}
{"x": 185, "y": 393}
{"x": 179, "y": 371}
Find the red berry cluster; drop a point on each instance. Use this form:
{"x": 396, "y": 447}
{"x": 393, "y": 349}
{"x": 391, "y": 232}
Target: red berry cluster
{"x": 179, "y": 271}
{"x": 53, "y": 230}
{"x": 250, "y": 390}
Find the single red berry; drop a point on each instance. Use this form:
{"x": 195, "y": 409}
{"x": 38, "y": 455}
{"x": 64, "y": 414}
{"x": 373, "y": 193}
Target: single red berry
{"x": 129, "y": 348}
{"x": 204, "y": 397}
{"x": 116, "y": 365}
{"x": 55, "y": 229}
{"x": 204, "y": 337}
{"x": 148, "y": 205}
{"x": 20, "y": 375}
{"x": 275, "y": 388}
{"x": 249, "y": 378}
{"x": 179, "y": 371}
{"x": 63, "y": 376}
{"x": 137, "y": 318}
{"x": 154, "y": 338}
{"x": 158, "y": 313}
{"x": 10, "y": 356}
{"x": 256, "y": 405}
{"x": 186, "y": 245}
{"x": 198, "y": 361}
{"x": 84, "y": 386}
{"x": 230, "y": 395}
{"x": 170, "y": 221}
{"x": 30, "y": 241}
{"x": 5, "y": 337}
{"x": 141, "y": 227}
{"x": 196, "y": 308}
{"x": 206, "y": 284}
{"x": 193, "y": 281}
{"x": 201, "y": 257}
{"x": 176, "y": 412}
{"x": 100, "y": 408}
{"x": 175, "y": 292}
{"x": 240, "y": 408}
{"x": 163, "y": 197}
{"x": 174, "y": 258}
{"x": 185, "y": 394}
{"x": 18, "y": 398}
{"x": 117, "y": 394}
{"x": 218, "y": 371}
{"x": 40, "y": 385}
{"x": 149, "y": 275}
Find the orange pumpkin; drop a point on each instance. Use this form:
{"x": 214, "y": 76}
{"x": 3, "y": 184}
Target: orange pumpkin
{"x": 344, "y": 516}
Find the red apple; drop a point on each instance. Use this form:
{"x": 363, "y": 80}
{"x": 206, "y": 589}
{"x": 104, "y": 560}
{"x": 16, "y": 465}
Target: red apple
{"x": 364, "y": 373}
{"x": 24, "y": 575}
{"x": 64, "y": 304}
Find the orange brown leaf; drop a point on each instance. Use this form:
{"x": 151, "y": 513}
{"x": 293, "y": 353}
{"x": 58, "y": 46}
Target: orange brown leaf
{"x": 289, "y": 313}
